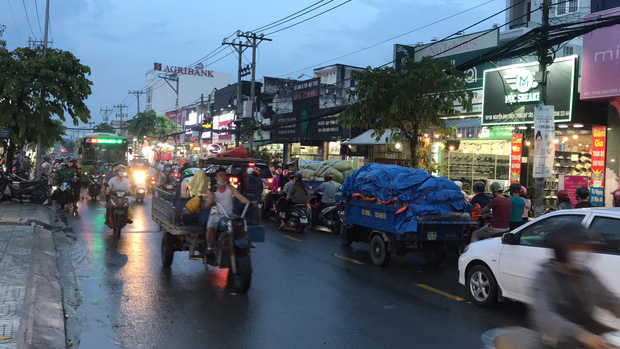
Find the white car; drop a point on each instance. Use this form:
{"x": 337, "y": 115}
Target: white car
{"x": 503, "y": 268}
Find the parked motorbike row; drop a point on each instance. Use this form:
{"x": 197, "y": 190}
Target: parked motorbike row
{"x": 300, "y": 216}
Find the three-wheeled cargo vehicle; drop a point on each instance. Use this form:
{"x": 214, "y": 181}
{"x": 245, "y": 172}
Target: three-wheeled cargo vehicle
{"x": 373, "y": 223}
{"x": 185, "y": 231}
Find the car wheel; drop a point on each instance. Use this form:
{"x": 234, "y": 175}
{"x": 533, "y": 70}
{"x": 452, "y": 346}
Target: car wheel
{"x": 379, "y": 253}
{"x": 482, "y": 286}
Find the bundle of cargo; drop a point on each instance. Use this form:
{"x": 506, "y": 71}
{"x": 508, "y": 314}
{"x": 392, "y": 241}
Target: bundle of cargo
{"x": 313, "y": 170}
{"x": 416, "y": 193}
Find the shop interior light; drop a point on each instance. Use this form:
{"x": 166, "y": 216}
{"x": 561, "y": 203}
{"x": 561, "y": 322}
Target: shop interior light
{"x": 501, "y": 151}
{"x": 510, "y": 128}
{"x": 459, "y": 135}
{"x": 577, "y": 125}
{"x": 397, "y": 145}
{"x": 580, "y": 144}
{"x": 556, "y": 141}
{"x": 437, "y": 135}
{"x": 426, "y": 135}
{"x": 565, "y": 139}
{"x": 613, "y": 160}
{"x": 451, "y": 147}
{"x": 562, "y": 126}
{"x": 477, "y": 153}
{"x": 528, "y": 143}
{"x": 575, "y": 136}
{"x": 522, "y": 127}
{"x": 465, "y": 151}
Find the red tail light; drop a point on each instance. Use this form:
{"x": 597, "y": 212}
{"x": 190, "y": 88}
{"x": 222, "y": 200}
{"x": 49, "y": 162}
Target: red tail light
{"x": 251, "y": 164}
{"x": 176, "y": 174}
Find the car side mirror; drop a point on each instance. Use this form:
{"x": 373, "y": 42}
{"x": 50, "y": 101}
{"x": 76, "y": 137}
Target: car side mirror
{"x": 509, "y": 239}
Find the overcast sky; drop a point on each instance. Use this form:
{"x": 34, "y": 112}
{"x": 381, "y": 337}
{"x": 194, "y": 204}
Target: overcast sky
{"x": 120, "y": 39}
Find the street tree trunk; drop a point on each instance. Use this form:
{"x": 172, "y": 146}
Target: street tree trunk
{"x": 413, "y": 148}
{"x": 10, "y": 155}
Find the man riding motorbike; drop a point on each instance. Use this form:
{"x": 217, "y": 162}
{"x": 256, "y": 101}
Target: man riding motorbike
{"x": 65, "y": 174}
{"x": 221, "y": 193}
{"x": 502, "y": 207}
{"x": 296, "y": 195}
{"x": 329, "y": 198}
{"x": 616, "y": 196}
{"x": 583, "y": 195}
{"x": 119, "y": 182}
{"x": 166, "y": 176}
{"x": 95, "y": 170}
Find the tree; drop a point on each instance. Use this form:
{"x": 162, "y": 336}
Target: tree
{"x": 408, "y": 102}
{"x": 35, "y": 87}
{"x": 104, "y": 128}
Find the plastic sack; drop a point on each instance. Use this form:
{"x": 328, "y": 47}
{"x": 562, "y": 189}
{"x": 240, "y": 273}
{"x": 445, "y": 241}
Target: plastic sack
{"x": 193, "y": 205}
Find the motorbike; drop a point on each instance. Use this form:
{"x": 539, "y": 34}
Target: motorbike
{"x": 119, "y": 208}
{"x": 233, "y": 250}
{"x": 268, "y": 209}
{"x": 297, "y": 219}
{"x": 94, "y": 186}
{"x": 139, "y": 178}
{"x": 152, "y": 183}
{"x": 482, "y": 221}
{"x": 62, "y": 193}
{"x": 17, "y": 188}
{"x": 328, "y": 217}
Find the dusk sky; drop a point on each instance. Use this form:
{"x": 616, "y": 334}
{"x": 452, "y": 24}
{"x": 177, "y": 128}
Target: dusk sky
{"x": 120, "y": 39}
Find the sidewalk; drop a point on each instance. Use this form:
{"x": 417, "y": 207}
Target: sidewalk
{"x": 31, "y": 313}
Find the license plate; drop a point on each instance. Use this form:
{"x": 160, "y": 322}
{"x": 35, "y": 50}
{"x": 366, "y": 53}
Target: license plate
{"x": 303, "y": 220}
{"x": 431, "y": 235}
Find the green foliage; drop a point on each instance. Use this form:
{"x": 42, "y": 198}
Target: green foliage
{"x": 149, "y": 124}
{"x": 104, "y": 128}
{"x": 408, "y": 102}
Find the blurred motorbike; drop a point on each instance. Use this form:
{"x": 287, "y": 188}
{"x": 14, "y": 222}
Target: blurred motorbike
{"x": 94, "y": 186}
{"x": 118, "y": 212}
{"x": 139, "y": 179}
{"x": 328, "y": 217}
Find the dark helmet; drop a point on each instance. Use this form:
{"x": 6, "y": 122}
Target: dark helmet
{"x": 616, "y": 196}
{"x": 298, "y": 176}
{"x": 256, "y": 171}
{"x": 565, "y": 235}
{"x": 582, "y": 193}
{"x": 515, "y": 187}
{"x": 479, "y": 187}
{"x": 562, "y": 195}
{"x": 328, "y": 177}
{"x": 291, "y": 174}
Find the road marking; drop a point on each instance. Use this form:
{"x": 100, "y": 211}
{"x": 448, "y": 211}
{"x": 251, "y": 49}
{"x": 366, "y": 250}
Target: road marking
{"x": 348, "y": 259}
{"x": 445, "y": 294}
{"x": 291, "y": 238}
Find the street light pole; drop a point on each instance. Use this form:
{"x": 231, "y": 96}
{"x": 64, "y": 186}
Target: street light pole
{"x": 42, "y": 100}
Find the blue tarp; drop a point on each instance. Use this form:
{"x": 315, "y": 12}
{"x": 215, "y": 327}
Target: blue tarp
{"x": 424, "y": 194}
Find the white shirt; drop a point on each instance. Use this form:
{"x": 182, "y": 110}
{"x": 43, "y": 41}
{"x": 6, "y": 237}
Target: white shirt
{"x": 123, "y": 184}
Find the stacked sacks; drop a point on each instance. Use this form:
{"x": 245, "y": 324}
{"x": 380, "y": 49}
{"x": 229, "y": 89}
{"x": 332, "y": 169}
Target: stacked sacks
{"x": 339, "y": 169}
{"x": 421, "y": 193}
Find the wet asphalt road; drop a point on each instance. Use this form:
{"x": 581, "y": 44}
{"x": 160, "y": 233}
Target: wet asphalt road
{"x": 302, "y": 295}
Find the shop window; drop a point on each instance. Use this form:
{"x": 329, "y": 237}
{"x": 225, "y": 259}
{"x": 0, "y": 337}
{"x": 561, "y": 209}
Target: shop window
{"x": 564, "y": 7}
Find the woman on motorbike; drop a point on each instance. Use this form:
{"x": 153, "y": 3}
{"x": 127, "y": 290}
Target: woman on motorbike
{"x": 297, "y": 195}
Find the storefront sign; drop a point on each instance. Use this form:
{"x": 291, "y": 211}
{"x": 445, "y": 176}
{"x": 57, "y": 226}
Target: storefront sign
{"x": 183, "y": 70}
{"x": 544, "y": 147}
{"x": 515, "y": 158}
{"x": 458, "y": 50}
{"x": 597, "y": 196}
{"x": 599, "y": 135}
{"x": 571, "y": 183}
{"x": 512, "y": 92}
{"x": 600, "y": 77}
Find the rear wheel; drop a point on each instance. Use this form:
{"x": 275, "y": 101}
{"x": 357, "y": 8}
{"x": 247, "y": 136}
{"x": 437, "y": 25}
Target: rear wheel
{"x": 345, "y": 239}
{"x": 167, "y": 249}
{"x": 379, "y": 253}
{"x": 38, "y": 196}
{"x": 241, "y": 281}
{"x": 482, "y": 286}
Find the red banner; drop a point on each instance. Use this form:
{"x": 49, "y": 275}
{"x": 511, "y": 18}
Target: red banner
{"x": 599, "y": 140}
{"x": 515, "y": 158}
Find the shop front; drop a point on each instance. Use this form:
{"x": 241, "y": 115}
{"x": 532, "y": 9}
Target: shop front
{"x": 510, "y": 95}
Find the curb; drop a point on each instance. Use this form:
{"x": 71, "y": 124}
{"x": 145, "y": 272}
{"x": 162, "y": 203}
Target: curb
{"x": 42, "y": 324}
{"x": 40, "y": 218}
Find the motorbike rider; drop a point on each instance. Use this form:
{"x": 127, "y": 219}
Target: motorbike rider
{"x": 502, "y": 207}
{"x": 65, "y": 174}
{"x": 616, "y": 197}
{"x": 329, "y": 197}
{"x": 221, "y": 193}
{"x": 166, "y": 176}
{"x": 566, "y": 292}
{"x": 583, "y": 195}
{"x": 563, "y": 200}
{"x": 460, "y": 185}
{"x": 254, "y": 191}
{"x": 119, "y": 182}
{"x": 95, "y": 170}
{"x": 481, "y": 198}
{"x": 518, "y": 206}
{"x": 528, "y": 204}
{"x": 296, "y": 195}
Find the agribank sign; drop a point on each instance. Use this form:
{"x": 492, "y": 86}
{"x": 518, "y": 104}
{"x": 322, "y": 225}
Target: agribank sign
{"x": 600, "y": 77}
{"x": 183, "y": 70}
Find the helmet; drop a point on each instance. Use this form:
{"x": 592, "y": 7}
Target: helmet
{"x": 120, "y": 167}
{"x": 515, "y": 187}
{"x": 582, "y": 193}
{"x": 328, "y": 177}
{"x": 256, "y": 171}
{"x": 562, "y": 195}
{"x": 279, "y": 171}
{"x": 496, "y": 187}
{"x": 459, "y": 184}
{"x": 285, "y": 173}
{"x": 297, "y": 175}
{"x": 523, "y": 191}
{"x": 291, "y": 174}
{"x": 616, "y": 194}
{"x": 479, "y": 187}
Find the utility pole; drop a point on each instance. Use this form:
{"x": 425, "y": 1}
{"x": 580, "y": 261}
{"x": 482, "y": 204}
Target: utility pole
{"x": 240, "y": 47}
{"x": 121, "y": 106}
{"x": 137, "y": 93}
{"x": 42, "y": 99}
{"x": 174, "y": 77}
{"x": 106, "y": 111}
{"x": 544, "y": 59}
{"x": 256, "y": 39}
{"x": 201, "y": 121}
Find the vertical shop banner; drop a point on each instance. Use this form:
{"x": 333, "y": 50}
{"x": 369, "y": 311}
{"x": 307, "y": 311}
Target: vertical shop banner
{"x": 597, "y": 196}
{"x": 544, "y": 146}
{"x": 599, "y": 135}
{"x": 515, "y": 158}
{"x": 571, "y": 183}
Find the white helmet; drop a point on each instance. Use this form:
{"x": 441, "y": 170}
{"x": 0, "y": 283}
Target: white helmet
{"x": 459, "y": 184}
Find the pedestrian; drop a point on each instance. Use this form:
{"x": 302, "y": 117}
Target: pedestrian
{"x": 502, "y": 207}
{"x": 563, "y": 200}
{"x": 518, "y": 206}
{"x": 566, "y": 293}
{"x": 583, "y": 195}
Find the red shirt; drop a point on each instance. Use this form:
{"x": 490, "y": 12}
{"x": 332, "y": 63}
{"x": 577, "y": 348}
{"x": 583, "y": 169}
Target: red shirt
{"x": 501, "y": 207}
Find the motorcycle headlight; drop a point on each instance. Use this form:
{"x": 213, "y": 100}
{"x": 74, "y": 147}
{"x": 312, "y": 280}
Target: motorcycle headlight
{"x": 54, "y": 187}
{"x": 139, "y": 176}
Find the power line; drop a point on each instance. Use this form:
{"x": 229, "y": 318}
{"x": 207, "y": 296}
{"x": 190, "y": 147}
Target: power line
{"x": 28, "y": 18}
{"x": 14, "y": 21}
{"x": 295, "y": 17}
{"x": 38, "y": 19}
{"x": 263, "y": 27}
{"x": 390, "y": 39}
{"x": 309, "y": 18}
